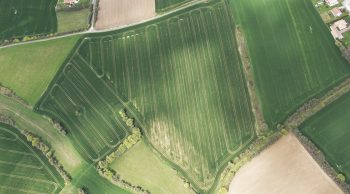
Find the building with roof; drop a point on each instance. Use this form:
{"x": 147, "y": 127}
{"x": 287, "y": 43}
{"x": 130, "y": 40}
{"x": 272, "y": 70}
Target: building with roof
{"x": 340, "y": 24}
{"x": 346, "y": 5}
{"x": 332, "y": 2}
{"x": 336, "y": 12}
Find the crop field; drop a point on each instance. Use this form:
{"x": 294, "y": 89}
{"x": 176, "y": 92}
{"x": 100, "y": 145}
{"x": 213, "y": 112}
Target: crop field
{"x": 23, "y": 170}
{"x": 163, "y": 5}
{"x": 180, "y": 76}
{"x": 28, "y": 69}
{"x": 292, "y": 52}
{"x": 27, "y": 17}
{"x": 329, "y": 130}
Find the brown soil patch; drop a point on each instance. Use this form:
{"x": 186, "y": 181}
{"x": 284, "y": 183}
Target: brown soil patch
{"x": 114, "y": 13}
{"x": 284, "y": 168}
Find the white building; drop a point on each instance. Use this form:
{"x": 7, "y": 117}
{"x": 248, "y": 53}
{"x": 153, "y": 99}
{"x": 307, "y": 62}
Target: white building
{"x": 346, "y": 4}
{"x": 336, "y": 12}
{"x": 332, "y": 2}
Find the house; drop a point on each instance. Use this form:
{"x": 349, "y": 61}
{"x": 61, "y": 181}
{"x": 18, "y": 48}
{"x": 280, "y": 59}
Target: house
{"x": 340, "y": 24}
{"x": 332, "y": 2}
{"x": 336, "y": 12}
{"x": 71, "y": 2}
{"x": 335, "y": 33}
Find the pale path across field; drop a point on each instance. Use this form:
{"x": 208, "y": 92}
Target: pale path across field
{"x": 284, "y": 168}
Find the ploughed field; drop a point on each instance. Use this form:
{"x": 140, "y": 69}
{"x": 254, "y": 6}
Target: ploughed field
{"x": 329, "y": 130}
{"x": 27, "y": 17}
{"x": 292, "y": 53}
{"x": 179, "y": 76}
{"x": 23, "y": 169}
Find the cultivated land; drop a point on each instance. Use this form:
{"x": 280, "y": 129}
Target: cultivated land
{"x": 181, "y": 78}
{"x": 329, "y": 130}
{"x": 22, "y": 169}
{"x": 113, "y": 13}
{"x": 142, "y": 167}
{"x": 164, "y": 5}
{"x": 292, "y": 53}
{"x": 27, "y": 17}
{"x": 284, "y": 168}
{"x": 28, "y": 69}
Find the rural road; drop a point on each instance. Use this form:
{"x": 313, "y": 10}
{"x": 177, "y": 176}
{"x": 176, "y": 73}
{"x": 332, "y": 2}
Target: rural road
{"x": 92, "y": 30}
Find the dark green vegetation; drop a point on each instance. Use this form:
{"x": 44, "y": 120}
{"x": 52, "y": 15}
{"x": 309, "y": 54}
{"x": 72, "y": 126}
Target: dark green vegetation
{"x": 329, "y": 130}
{"x": 28, "y": 69}
{"x": 179, "y": 76}
{"x": 19, "y": 18}
{"x": 292, "y": 52}
{"x": 164, "y": 5}
{"x": 23, "y": 169}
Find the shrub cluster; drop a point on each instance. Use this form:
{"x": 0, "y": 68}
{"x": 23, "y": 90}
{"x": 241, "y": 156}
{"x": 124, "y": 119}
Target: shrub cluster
{"x": 58, "y": 125}
{"x": 83, "y": 190}
{"x": 48, "y": 152}
{"x": 11, "y": 94}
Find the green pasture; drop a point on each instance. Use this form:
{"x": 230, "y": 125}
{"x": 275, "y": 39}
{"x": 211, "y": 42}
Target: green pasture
{"x": 164, "y": 5}
{"x": 179, "y": 76}
{"x": 69, "y": 21}
{"x": 20, "y": 18}
{"x": 23, "y": 169}
{"x": 29, "y": 68}
{"x": 293, "y": 55}
{"x": 142, "y": 167}
{"x": 329, "y": 130}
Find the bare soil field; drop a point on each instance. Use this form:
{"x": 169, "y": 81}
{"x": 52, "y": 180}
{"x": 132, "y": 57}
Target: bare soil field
{"x": 284, "y": 168}
{"x": 114, "y": 13}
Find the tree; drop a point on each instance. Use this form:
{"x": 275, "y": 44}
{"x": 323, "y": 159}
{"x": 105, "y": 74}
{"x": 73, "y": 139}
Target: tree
{"x": 130, "y": 122}
{"x": 341, "y": 177}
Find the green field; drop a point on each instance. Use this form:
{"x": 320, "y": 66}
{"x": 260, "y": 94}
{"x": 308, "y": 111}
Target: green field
{"x": 142, "y": 167}
{"x": 27, "y": 17}
{"x": 293, "y": 54}
{"x": 23, "y": 169}
{"x": 69, "y": 21}
{"x": 164, "y": 5}
{"x": 180, "y": 76}
{"x": 28, "y": 69}
{"x": 329, "y": 130}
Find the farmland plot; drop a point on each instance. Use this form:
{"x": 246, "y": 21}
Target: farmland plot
{"x": 293, "y": 54}
{"x": 27, "y": 17}
{"x": 180, "y": 76}
{"x": 22, "y": 169}
{"x": 163, "y": 5}
{"x": 329, "y": 130}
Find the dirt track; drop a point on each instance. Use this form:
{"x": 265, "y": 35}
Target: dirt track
{"x": 284, "y": 168}
{"x": 113, "y": 13}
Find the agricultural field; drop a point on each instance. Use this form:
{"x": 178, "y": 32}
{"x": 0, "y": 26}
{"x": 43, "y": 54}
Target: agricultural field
{"x": 28, "y": 69}
{"x": 329, "y": 130}
{"x": 142, "y": 167}
{"x": 113, "y": 13}
{"x": 179, "y": 76}
{"x": 27, "y": 17}
{"x": 293, "y": 55}
{"x": 22, "y": 169}
{"x": 164, "y": 5}
{"x": 284, "y": 168}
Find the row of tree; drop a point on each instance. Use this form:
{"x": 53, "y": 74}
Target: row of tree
{"x": 48, "y": 152}
{"x": 128, "y": 142}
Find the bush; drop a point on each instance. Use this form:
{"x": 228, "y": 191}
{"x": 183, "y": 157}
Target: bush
{"x": 341, "y": 177}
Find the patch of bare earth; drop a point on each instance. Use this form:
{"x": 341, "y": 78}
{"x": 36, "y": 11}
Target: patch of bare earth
{"x": 284, "y": 168}
{"x": 114, "y": 13}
